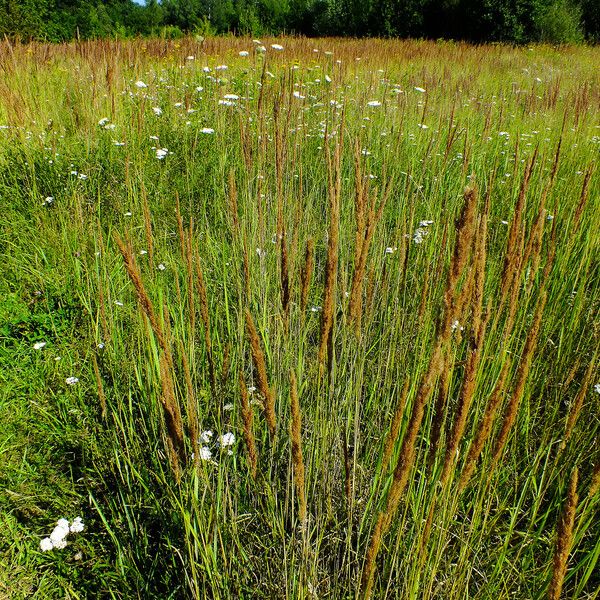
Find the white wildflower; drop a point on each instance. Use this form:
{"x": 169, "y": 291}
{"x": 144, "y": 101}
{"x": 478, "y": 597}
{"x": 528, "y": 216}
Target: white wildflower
{"x": 420, "y": 89}
{"x": 157, "y": 111}
{"x": 243, "y": 53}
{"x": 206, "y": 436}
{"x": 207, "y": 130}
{"x": 72, "y": 380}
{"x": 77, "y": 526}
{"x": 597, "y": 388}
{"x": 39, "y": 345}
{"x": 161, "y": 267}
{"x": 205, "y": 453}
{"x": 102, "y": 122}
{"x": 161, "y": 153}
{"x": 58, "y": 534}
{"x": 46, "y": 545}
{"x": 140, "y": 84}
{"x": 374, "y": 103}
{"x": 278, "y": 47}
{"x": 227, "y": 439}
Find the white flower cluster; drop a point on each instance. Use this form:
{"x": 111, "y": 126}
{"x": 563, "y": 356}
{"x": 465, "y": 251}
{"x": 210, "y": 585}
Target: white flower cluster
{"x": 224, "y": 441}
{"x": 597, "y": 388}
{"x": 58, "y": 537}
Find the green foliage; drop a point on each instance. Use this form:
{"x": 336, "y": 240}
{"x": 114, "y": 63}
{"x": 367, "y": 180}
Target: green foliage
{"x": 560, "y": 23}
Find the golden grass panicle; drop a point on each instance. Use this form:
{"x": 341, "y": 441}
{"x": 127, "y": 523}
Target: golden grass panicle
{"x": 258, "y": 358}
{"x": 564, "y": 539}
{"x": 248, "y": 423}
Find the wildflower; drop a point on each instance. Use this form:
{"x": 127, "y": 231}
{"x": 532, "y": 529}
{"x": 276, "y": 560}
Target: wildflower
{"x": 420, "y": 89}
{"x": 597, "y": 388}
{"x": 60, "y": 544}
{"x": 374, "y": 103}
{"x": 77, "y": 526}
{"x": 456, "y": 325}
{"x": 48, "y": 201}
{"x": 228, "y": 406}
{"x": 46, "y": 545}
{"x": 390, "y": 250}
{"x": 425, "y": 223}
{"x": 143, "y": 252}
{"x": 298, "y": 95}
{"x": 205, "y": 453}
{"x": 157, "y": 111}
{"x": 71, "y": 380}
{"x": 221, "y": 68}
{"x": 140, "y": 85}
{"x": 161, "y": 153}
{"x": 261, "y": 49}
{"x": 244, "y": 53}
{"x": 190, "y": 58}
{"x": 118, "y": 303}
{"x": 278, "y": 47}
{"x": 227, "y": 439}
{"x": 207, "y": 130}
{"x": 39, "y": 345}
{"x": 199, "y": 89}
{"x": 252, "y": 389}
{"x": 101, "y": 346}
{"x": 59, "y": 533}
{"x": 102, "y": 122}
{"x": 327, "y": 79}
{"x": 161, "y": 267}
{"x": 206, "y": 436}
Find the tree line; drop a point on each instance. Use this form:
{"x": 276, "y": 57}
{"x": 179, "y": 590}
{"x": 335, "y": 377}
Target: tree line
{"x": 513, "y": 21}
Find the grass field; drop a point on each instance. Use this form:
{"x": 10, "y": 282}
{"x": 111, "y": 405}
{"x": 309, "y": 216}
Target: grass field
{"x": 318, "y": 320}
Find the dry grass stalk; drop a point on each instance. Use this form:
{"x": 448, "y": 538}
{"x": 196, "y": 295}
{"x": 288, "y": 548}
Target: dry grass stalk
{"x": 258, "y": 358}
{"x": 285, "y": 279}
{"x": 172, "y": 414}
{"x": 439, "y": 409}
{"x": 595, "y": 482}
{"x": 512, "y": 259}
{"x": 479, "y": 325}
{"x": 192, "y": 405}
{"x": 392, "y": 436}
{"x": 367, "y": 214}
{"x": 331, "y": 267}
{"x": 99, "y": 386}
{"x": 144, "y": 300}
{"x": 578, "y": 402}
{"x": 296, "y": 439}
{"x": 522, "y": 374}
{"x": 306, "y": 274}
{"x": 583, "y": 198}
{"x": 248, "y": 422}
{"x": 437, "y": 362}
{"x": 564, "y": 539}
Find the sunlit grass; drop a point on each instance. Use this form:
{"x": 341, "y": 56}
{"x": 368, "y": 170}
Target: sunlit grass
{"x": 215, "y": 197}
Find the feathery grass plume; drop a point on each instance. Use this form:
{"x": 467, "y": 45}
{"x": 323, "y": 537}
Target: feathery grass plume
{"x": 523, "y": 369}
{"x": 513, "y": 255}
{"x": 248, "y": 422}
{"x": 296, "y": 439}
{"x": 144, "y": 300}
{"x": 258, "y": 358}
{"x": 172, "y": 415}
{"x": 485, "y": 426}
{"x": 334, "y": 178}
{"x": 465, "y": 226}
{"x": 306, "y": 274}
{"x": 479, "y": 323}
{"x": 191, "y": 406}
{"x": 392, "y": 435}
{"x": 285, "y": 278}
{"x": 368, "y": 214}
{"x": 233, "y": 204}
{"x": 583, "y": 198}
{"x": 595, "y": 482}
{"x": 205, "y": 316}
{"x": 564, "y": 539}
{"x": 148, "y": 227}
{"x": 578, "y": 402}
{"x": 99, "y": 386}
{"x": 439, "y": 409}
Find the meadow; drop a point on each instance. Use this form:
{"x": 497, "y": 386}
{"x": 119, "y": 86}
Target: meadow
{"x": 295, "y": 318}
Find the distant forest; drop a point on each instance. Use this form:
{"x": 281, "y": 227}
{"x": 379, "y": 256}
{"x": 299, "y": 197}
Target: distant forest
{"x": 513, "y": 21}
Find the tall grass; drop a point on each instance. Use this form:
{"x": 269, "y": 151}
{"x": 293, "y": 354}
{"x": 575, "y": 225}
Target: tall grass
{"x": 333, "y": 311}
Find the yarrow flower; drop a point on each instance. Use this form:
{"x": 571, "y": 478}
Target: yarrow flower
{"x": 205, "y": 453}
{"x": 58, "y": 537}
{"x": 72, "y": 380}
{"x": 161, "y": 153}
{"x": 278, "y": 47}
{"x": 597, "y": 388}
{"x": 140, "y": 84}
{"x": 39, "y": 345}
